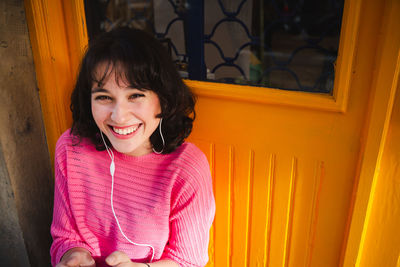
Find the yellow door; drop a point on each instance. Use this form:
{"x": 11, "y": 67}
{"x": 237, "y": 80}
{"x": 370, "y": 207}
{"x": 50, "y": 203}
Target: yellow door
{"x": 294, "y": 173}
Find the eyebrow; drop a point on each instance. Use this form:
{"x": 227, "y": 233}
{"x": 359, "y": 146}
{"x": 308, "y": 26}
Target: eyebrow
{"x": 102, "y": 90}
{"x": 99, "y": 90}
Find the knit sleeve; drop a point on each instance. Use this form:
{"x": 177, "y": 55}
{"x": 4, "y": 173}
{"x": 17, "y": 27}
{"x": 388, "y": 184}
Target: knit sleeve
{"x": 192, "y": 214}
{"x": 63, "y": 228}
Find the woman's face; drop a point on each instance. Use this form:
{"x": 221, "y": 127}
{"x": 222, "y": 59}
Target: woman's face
{"x": 127, "y": 116}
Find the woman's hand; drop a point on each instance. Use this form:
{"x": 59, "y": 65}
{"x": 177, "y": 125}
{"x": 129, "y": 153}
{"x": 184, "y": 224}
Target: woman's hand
{"x": 120, "y": 259}
{"x": 77, "y": 257}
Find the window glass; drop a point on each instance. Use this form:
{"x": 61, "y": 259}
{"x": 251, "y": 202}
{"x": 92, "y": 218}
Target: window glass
{"x": 282, "y": 44}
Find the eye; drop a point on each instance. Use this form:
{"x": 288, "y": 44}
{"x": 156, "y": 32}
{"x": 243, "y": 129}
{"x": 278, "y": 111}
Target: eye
{"x": 136, "y": 95}
{"x": 102, "y": 97}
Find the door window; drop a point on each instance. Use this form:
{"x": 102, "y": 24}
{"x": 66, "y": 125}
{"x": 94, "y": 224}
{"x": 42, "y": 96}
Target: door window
{"x": 283, "y": 44}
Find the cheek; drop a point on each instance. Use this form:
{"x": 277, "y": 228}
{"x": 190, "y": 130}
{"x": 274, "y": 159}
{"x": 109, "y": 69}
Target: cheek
{"x": 158, "y": 109}
{"x": 147, "y": 111}
{"x": 98, "y": 114}
{"x": 155, "y": 110}
{"x": 94, "y": 111}
{"x": 156, "y": 106}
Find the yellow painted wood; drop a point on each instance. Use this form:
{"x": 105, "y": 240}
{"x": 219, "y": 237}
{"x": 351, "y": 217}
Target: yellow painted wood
{"x": 327, "y": 146}
{"x": 289, "y": 213}
{"x": 381, "y": 106}
{"x": 382, "y": 236}
{"x": 268, "y": 211}
{"x": 58, "y": 36}
{"x": 311, "y": 231}
{"x": 296, "y": 175}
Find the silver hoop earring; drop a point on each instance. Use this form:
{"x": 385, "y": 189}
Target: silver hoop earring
{"x": 162, "y": 138}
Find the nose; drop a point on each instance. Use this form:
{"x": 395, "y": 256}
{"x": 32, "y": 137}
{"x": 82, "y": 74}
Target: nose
{"x": 119, "y": 113}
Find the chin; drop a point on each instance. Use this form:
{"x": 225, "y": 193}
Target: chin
{"x": 133, "y": 151}
{"x": 125, "y": 150}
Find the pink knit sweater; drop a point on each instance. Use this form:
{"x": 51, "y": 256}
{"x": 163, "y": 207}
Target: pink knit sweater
{"x": 162, "y": 200}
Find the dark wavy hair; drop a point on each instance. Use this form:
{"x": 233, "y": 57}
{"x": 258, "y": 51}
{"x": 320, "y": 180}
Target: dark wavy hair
{"x": 139, "y": 59}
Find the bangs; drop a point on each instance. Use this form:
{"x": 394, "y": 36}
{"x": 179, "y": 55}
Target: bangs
{"x": 127, "y": 60}
{"x": 101, "y": 73}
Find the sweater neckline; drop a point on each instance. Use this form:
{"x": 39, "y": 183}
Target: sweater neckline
{"x": 147, "y": 157}
{"x": 152, "y": 156}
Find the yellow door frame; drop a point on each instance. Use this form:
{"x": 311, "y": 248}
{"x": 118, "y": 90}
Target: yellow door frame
{"x": 385, "y": 86}
{"x": 58, "y": 36}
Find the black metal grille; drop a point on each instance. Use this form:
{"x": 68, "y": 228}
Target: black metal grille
{"x": 285, "y": 44}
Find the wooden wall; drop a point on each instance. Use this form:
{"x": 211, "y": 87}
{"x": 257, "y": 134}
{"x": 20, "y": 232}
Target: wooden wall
{"x": 25, "y": 171}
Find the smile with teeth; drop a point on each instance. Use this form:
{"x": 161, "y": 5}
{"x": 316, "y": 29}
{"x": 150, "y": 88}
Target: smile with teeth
{"x": 125, "y": 131}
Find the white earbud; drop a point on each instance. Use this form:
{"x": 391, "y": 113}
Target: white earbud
{"x": 112, "y": 171}
{"x": 112, "y": 168}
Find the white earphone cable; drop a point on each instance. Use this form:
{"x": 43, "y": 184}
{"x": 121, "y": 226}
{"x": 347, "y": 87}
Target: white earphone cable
{"x": 112, "y": 171}
{"x": 162, "y": 138}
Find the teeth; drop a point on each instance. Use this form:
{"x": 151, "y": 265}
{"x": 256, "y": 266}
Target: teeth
{"x": 125, "y": 131}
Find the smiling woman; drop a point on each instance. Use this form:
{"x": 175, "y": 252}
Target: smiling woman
{"x": 148, "y": 199}
{"x": 127, "y": 116}
{"x": 134, "y": 60}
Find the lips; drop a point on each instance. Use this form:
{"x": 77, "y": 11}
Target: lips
{"x": 124, "y": 132}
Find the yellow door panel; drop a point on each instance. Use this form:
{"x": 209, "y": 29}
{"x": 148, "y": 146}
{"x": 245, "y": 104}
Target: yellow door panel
{"x": 284, "y": 170}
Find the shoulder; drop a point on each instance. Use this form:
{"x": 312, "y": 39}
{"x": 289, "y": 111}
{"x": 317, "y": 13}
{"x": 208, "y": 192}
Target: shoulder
{"x": 189, "y": 155}
{"x": 189, "y": 150}
{"x": 193, "y": 184}
{"x": 69, "y": 142}
{"x": 193, "y": 167}
{"x": 66, "y": 139}
{"x": 72, "y": 151}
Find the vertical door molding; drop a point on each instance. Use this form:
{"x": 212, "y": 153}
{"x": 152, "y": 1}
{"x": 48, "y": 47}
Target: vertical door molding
{"x": 58, "y": 36}
{"x": 384, "y": 88}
